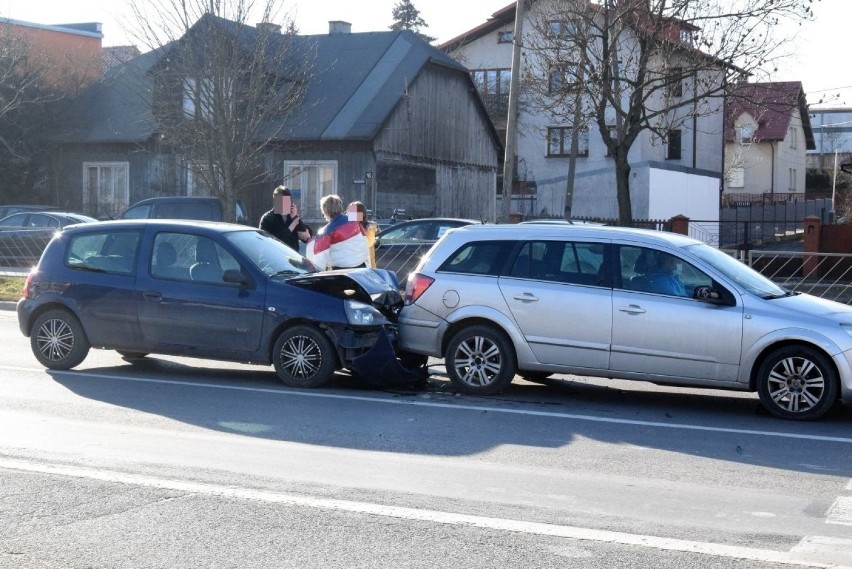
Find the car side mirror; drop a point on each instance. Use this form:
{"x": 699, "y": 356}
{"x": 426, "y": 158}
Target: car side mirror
{"x": 377, "y": 242}
{"x": 707, "y": 294}
{"x": 235, "y": 276}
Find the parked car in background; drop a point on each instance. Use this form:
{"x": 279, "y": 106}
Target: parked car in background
{"x": 24, "y": 235}
{"x": 183, "y": 207}
{"x": 7, "y": 210}
{"x": 624, "y": 303}
{"x": 208, "y": 290}
{"x": 400, "y": 246}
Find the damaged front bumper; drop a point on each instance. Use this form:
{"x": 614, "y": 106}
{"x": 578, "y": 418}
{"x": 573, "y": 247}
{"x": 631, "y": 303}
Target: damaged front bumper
{"x": 372, "y": 357}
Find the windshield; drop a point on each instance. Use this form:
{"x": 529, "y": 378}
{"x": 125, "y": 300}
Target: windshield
{"x": 270, "y": 255}
{"x": 738, "y": 272}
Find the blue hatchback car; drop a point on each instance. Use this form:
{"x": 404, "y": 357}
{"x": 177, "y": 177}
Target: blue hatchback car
{"x": 209, "y": 290}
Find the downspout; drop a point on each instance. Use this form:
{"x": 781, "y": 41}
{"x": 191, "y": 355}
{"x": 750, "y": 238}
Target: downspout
{"x": 772, "y": 173}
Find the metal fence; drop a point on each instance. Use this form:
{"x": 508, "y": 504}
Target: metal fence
{"x": 827, "y": 275}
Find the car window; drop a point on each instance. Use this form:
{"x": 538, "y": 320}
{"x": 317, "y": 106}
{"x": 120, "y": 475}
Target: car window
{"x": 40, "y": 220}
{"x": 187, "y": 257}
{"x": 412, "y": 233}
{"x": 479, "y": 258}
{"x": 270, "y": 255}
{"x": 562, "y": 261}
{"x": 187, "y": 210}
{"x": 15, "y": 220}
{"x": 443, "y": 228}
{"x": 138, "y": 212}
{"x": 108, "y": 251}
{"x": 650, "y": 270}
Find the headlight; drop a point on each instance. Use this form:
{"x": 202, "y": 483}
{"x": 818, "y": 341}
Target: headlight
{"x": 360, "y": 314}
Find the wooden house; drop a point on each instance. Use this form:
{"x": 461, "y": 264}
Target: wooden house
{"x": 386, "y": 119}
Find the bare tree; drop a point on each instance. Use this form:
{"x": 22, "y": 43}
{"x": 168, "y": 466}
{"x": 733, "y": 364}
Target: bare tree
{"x": 226, "y": 81}
{"x": 630, "y": 66}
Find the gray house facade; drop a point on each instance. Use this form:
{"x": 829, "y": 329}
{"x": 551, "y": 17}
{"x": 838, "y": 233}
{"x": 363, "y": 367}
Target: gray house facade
{"x": 387, "y": 119}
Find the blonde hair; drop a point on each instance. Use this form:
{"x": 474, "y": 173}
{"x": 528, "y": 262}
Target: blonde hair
{"x": 331, "y": 206}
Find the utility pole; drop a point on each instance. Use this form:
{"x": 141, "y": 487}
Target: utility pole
{"x": 512, "y": 119}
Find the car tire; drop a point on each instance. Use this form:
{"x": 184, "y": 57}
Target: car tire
{"x": 304, "y": 357}
{"x": 480, "y": 360}
{"x": 131, "y": 355}
{"x": 797, "y": 382}
{"x": 58, "y": 340}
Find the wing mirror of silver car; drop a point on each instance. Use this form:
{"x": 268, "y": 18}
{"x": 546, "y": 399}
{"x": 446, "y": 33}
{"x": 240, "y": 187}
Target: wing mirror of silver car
{"x": 707, "y": 294}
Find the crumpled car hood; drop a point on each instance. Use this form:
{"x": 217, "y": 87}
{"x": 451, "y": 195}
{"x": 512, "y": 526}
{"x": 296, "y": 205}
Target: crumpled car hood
{"x": 370, "y": 286}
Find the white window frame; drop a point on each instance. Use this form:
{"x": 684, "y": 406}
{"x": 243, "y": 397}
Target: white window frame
{"x": 297, "y": 176}
{"x": 794, "y": 137}
{"x": 119, "y": 198}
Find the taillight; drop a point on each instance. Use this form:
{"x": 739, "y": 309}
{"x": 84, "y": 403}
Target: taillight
{"x": 416, "y": 286}
{"x": 26, "y": 292}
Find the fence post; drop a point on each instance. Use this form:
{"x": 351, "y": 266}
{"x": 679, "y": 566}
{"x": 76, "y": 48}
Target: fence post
{"x": 679, "y": 224}
{"x": 813, "y": 231}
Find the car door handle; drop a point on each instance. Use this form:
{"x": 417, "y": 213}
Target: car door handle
{"x": 632, "y": 309}
{"x": 526, "y": 297}
{"x": 152, "y": 295}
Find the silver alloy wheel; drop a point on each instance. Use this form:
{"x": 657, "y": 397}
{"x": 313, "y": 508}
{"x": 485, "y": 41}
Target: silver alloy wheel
{"x": 796, "y": 384}
{"x": 301, "y": 357}
{"x": 478, "y": 361}
{"x": 55, "y": 339}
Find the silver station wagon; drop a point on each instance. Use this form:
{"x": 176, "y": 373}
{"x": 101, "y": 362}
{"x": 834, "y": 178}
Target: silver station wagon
{"x": 533, "y": 300}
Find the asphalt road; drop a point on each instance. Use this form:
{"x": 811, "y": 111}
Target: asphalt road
{"x": 174, "y": 462}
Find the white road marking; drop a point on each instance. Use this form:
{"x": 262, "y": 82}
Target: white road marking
{"x": 816, "y": 548}
{"x": 530, "y": 412}
{"x": 432, "y": 516}
{"x": 840, "y": 512}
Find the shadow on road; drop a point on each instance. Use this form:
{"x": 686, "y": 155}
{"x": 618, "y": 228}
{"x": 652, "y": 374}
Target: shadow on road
{"x": 433, "y": 420}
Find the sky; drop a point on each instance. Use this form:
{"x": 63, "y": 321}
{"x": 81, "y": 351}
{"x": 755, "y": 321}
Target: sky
{"x": 821, "y": 46}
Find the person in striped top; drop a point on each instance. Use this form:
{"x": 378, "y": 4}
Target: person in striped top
{"x": 341, "y": 244}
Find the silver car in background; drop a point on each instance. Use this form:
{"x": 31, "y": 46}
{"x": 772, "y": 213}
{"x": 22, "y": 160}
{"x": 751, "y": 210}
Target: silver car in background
{"x": 496, "y": 300}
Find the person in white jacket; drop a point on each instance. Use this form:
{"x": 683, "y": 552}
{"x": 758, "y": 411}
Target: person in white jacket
{"x": 342, "y": 243}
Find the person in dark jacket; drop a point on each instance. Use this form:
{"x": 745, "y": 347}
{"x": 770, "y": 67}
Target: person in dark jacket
{"x": 283, "y": 221}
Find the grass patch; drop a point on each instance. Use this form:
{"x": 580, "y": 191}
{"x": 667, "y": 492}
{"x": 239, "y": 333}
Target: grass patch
{"x": 11, "y": 287}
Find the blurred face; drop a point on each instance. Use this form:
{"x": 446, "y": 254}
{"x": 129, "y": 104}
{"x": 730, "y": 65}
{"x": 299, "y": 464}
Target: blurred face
{"x": 281, "y": 204}
{"x": 353, "y": 214}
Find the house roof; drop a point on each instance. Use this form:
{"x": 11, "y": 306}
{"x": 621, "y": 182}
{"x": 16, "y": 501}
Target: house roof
{"x": 773, "y": 106}
{"x": 357, "y": 81}
{"x": 498, "y": 20}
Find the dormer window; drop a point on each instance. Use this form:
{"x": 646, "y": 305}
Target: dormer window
{"x": 746, "y": 132}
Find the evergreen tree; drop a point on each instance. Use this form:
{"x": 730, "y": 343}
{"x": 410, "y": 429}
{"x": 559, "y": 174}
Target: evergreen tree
{"x": 407, "y": 17}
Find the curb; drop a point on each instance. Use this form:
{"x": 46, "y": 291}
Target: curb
{"x": 7, "y": 305}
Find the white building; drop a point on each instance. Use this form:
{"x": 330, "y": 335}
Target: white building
{"x": 679, "y": 175}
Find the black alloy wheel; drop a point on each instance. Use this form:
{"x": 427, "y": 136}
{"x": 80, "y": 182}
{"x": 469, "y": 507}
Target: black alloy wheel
{"x": 58, "y": 340}
{"x": 304, "y": 357}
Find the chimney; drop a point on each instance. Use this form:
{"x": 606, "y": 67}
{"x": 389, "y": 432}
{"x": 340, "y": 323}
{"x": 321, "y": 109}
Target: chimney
{"x": 339, "y": 27}
{"x": 268, "y": 27}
